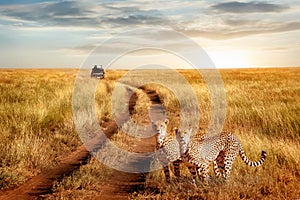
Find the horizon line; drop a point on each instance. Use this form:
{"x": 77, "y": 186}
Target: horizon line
{"x": 78, "y": 68}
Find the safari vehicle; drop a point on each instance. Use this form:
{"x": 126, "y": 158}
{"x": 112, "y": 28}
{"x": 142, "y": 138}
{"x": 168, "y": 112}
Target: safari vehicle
{"x": 97, "y": 72}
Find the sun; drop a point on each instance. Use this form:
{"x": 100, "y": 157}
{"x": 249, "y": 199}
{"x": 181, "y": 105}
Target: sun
{"x": 229, "y": 59}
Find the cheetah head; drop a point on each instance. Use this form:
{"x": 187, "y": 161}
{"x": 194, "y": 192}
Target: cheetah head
{"x": 160, "y": 128}
{"x": 184, "y": 138}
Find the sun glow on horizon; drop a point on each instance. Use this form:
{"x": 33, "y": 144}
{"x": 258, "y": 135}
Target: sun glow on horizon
{"x": 230, "y": 59}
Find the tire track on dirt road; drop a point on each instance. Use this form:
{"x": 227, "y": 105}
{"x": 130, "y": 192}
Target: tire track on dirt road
{"x": 122, "y": 184}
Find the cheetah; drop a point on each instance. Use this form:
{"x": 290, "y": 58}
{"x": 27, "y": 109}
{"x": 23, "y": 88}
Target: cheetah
{"x": 170, "y": 148}
{"x": 173, "y": 149}
{"x": 220, "y": 149}
{"x": 185, "y": 138}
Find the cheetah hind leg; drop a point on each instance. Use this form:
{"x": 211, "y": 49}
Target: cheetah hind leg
{"x": 228, "y": 160}
{"x": 219, "y": 165}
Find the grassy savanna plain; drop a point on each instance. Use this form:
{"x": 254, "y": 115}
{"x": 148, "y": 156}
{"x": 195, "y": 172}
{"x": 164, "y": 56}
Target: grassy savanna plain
{"x": 37, "y": 131}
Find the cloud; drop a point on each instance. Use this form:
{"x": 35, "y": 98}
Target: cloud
{"x": 67, "y": 13}
{"x": 242, "y": 22}
{"x": 231, "y": 32}
{"x": 77, "y": 50}
{"x": 76, "y": 14}
{"x": 134, "y": 20}
{"x": 111, "y": 17}
{"x": 65, "y": 8}
{"x": 250, "y": 7}
{"x": 135, "y": 40}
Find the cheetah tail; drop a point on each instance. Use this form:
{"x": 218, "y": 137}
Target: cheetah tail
{"x": 251, "y": 163}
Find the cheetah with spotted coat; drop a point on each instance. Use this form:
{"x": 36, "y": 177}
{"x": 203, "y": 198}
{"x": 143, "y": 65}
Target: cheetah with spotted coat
{"x": 173, "y": 149}
{"x": 220, "y": 149}
{"x": 169, "y": 146}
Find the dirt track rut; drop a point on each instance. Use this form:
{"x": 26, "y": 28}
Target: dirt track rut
{"x": 121, "y": 184}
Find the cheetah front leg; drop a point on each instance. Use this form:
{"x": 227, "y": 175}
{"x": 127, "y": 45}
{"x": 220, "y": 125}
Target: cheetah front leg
{"x": 167, "y": 173}
{"x": 193, "y": 171}
{"x": 176, "y": 165}
{"x": 203, "y": 173}
{"x": 216, "y": 168}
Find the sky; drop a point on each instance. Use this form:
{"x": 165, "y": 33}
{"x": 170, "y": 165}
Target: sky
{"x": 57, "y": 33}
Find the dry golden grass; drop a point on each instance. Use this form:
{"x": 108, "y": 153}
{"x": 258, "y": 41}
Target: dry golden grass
{"x": 36, "y": 122}
{"x": 262, "y": 110}
{"x": 37, "y": 129}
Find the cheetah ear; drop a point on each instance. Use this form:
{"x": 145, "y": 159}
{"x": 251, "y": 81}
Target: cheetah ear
{"x": 166, "y": 121}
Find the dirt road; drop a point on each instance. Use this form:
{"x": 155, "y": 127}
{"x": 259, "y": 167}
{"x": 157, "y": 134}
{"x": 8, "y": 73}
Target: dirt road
{"x": 121, "y": 184}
